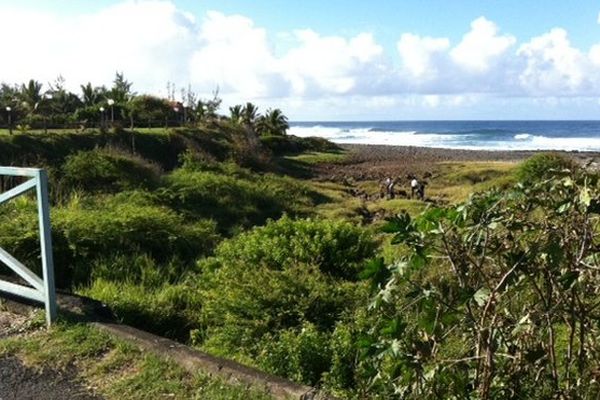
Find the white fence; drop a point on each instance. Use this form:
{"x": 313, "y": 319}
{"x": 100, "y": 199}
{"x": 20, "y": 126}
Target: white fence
{"x": 41, "y": 289}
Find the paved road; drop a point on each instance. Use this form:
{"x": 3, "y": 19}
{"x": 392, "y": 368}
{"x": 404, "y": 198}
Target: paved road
{"x": 18, "y": 382}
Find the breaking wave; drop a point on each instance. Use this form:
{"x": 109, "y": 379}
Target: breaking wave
{"x": 471, "y": 140}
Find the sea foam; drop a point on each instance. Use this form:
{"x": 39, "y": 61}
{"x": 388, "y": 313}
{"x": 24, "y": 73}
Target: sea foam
{"x": 464, "y": 141}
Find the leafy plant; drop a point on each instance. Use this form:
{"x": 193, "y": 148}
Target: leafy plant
{"x": 495, "y": 298}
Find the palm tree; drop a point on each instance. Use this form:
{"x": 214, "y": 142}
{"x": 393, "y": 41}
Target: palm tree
{"x": 249, "y": 114}
{"x": 273, "y": 123}
{"x": 31, "y": 94}
{"x": 235, "y": 113}
{"x": 90, "y": 95}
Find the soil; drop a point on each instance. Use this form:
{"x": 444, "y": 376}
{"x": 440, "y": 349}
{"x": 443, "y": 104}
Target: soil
{"x": 19, "y": 382}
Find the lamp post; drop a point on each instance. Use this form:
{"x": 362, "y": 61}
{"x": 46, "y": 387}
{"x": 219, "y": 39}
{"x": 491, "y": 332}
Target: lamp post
{"x": 176, "y": 109}
{"x": 9, "y": 112}
{"x": 111, "y": 103}
{"x": 101, "y": 118}
{"x": 48, "y": 97}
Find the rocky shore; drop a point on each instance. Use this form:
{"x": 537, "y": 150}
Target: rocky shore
{"x": 375, "y": 162}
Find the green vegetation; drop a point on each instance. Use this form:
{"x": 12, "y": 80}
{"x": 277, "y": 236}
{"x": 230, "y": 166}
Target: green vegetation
{"x": 492, "y": 298}
{"x": 542, "y": 166}
{"x": 209, "y": 230}
{"x": 117, "y": 370}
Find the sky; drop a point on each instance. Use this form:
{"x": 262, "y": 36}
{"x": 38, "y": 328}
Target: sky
{"x": 323, "y": 60}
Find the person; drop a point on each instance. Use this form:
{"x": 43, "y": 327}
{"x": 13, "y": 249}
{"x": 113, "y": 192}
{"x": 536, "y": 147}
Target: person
{"x": 421, "y": 191}
{"x": 383, "y": 188}
{"x": 390, "y": 188}
{"x": 414, "y": 187}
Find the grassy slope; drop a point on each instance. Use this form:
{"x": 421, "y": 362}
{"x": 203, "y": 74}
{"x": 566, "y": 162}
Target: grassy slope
{"x": 130, "y": 369}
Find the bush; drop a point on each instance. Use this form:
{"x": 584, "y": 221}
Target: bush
{"x": 85, "y": 230}
{"x": 234, "y": 198}
{"x": 108, "y": 169}
{"x": 265, "y": 285}
{"x": 493, "y": 298}
{"x": 543, "y": 166}
{"x": 302, "y": 355}
{"x": 243, "y": 304}
{"x": 338, "y": 248}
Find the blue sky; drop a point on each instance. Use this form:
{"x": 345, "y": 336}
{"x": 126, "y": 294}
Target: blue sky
{"x": 322, "y": 60}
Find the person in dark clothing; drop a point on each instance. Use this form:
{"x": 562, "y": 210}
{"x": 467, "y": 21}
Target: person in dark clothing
{"x": 421, "y": 190}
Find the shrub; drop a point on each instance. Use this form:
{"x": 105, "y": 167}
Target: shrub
{"x": 543, "y": 166}
{"x": 87, "y": 229}
{"x": 281, "y": 145}
{"x": 338, "y": 248}
{"x": 243, "y": 304}
{"x": 302, "y": 354}
{"x": 233, "y": 198}
{"x": 493, "y": 298}
{"x": 267, "y": 284}
{"x": 108, "y": 169}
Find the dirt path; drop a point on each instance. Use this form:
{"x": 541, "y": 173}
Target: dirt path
{"x": 19, "y": 382}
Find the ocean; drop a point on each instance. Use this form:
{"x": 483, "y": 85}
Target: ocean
{"x": 474, "y": 135}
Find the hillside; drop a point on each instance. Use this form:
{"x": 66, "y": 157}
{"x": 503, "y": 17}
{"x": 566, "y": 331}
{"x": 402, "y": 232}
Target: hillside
{"x": 274, "y": 252}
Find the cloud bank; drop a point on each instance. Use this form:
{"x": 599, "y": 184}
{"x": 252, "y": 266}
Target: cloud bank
{"x": 154, "y": 42}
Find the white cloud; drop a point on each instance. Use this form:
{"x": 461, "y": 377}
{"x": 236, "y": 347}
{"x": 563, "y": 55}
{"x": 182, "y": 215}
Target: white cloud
{"x": 553, "y": 66}
{"x": 481, "y": 46}
{"x": 329, "y": 64}
{"x": 234, "y": 54}
{"x": 92, "y": 47}
{"x": 594, "y": 54}
{"x": 420, "y": 55}
{"x": 154, "y": 41}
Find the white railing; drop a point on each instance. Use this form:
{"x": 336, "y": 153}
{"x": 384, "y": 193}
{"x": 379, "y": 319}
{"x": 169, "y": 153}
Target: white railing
{"x": 42, "y": 289}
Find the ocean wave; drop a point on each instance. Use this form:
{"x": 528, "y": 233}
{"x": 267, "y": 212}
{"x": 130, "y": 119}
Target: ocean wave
{"x": 520, "y": 141}
{"x": 522, "y": 136}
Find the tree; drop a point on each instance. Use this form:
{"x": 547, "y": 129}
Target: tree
{"x": 148, "y": 108}
{"x": 249, "y": 115}
{"x": 121, "y": 89}
{"x": 31, "y": 95}
{"x": 235, "y": 114}
{"x": 206, "y": 110}
{"x": 273, "y": 123}
{"x": 92, "y": 95}
{"x": 58, "y": 102}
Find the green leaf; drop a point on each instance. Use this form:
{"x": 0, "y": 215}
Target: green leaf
{"x": 394, "y": 328}
{"x": 399, "y": 223}
{"x": 585, "y": 197}
{"x": 564, "y": 207}
{"x": 568, "y": 278}
{"x": 481, "y": 296}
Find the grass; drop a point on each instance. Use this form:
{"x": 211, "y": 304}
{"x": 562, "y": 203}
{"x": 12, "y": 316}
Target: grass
{"x": 451, "y": 184}
{"x": 116, "y": 369}
{"x": 314, "y": 158}
{"x": 455, "y": 181}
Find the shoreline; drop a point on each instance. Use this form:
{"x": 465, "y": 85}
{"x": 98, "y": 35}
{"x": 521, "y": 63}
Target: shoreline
{"x": 368, "y": 162}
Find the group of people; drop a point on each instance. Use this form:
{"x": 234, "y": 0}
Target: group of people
{"x": 417, "y": 188}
